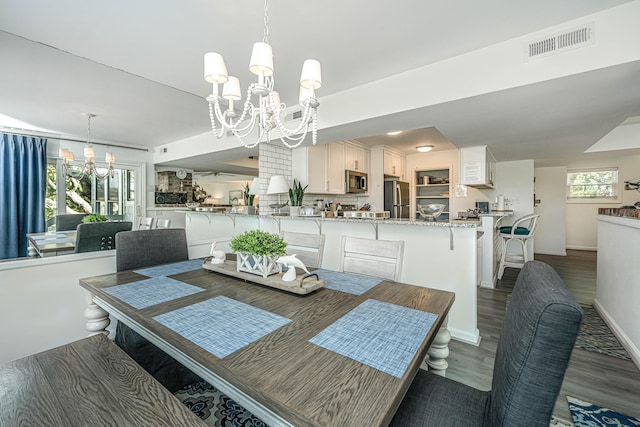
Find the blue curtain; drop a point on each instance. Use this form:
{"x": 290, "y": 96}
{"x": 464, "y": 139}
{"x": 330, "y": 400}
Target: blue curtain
{"x": 23, "y": 183}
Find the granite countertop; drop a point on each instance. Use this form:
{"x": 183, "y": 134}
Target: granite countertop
{"x": 496, "y": 213}
{"x": 454, "y": 223}
{"x": 621, "y": 212}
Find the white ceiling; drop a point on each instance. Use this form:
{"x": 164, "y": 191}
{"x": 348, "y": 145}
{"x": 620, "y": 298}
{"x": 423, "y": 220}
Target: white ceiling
{"x": 138, "y": 65}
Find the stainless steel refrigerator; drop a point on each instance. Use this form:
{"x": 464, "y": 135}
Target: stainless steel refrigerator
{"x": 396, "y": 198}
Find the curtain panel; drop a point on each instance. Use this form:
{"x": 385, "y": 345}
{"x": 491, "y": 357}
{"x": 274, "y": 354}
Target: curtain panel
{"x": 23, "y": 168}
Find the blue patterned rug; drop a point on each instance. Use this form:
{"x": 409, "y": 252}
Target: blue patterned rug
{"x": 215, "y": 408}
{"x": 586, "y": 414}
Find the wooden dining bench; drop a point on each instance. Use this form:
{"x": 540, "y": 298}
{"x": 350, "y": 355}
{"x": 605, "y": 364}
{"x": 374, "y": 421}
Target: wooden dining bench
{"x": 90, "y": 382}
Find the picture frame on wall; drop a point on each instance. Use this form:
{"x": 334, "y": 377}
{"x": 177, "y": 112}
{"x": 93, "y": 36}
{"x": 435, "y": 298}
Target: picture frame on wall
{"x": 235, "y": 196}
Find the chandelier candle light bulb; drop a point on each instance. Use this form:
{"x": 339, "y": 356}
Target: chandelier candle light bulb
{"x": 268, "y": 113}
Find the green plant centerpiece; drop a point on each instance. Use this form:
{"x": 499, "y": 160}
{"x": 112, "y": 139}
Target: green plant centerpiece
{"x": 257, "y": 251}
{"x": 94, "y": 218}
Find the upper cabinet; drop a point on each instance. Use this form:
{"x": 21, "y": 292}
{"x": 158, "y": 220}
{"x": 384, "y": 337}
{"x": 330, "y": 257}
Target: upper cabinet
{"x": 356, "y": 157}
{"x": 321, "y": 167}
{"x": 477, "y": 167}
{"x": 394, "y": 164}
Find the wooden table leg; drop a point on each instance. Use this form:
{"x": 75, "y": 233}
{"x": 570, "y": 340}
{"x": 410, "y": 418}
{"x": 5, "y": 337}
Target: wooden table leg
{"x": 439, "y": 351}
{"x": 97, "y": 318}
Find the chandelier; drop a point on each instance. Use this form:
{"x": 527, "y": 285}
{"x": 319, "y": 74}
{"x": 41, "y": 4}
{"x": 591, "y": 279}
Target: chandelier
{"x": 267, "y": 113}
{"x": 89, "y": 167}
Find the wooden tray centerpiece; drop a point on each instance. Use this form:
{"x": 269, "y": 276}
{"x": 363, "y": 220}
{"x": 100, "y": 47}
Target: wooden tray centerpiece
{"x": 256, "y": 252}
{"x": 302, "y": 285}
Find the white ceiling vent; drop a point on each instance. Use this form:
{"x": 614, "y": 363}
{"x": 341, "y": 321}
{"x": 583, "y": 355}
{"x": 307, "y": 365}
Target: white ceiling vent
{"x": 560, "y": 42}
{"x": 295, "y": 115}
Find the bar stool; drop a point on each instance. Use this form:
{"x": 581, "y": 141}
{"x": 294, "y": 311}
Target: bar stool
{"x": 521, "y": 231}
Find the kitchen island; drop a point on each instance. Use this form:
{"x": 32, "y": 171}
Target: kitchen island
{"x": 439, "y": 255}
{"x": 617, "y": 288}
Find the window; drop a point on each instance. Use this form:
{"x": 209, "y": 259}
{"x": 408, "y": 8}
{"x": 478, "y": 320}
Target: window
{"x": 593, "y": 185}
{"x": 113, "y": 197}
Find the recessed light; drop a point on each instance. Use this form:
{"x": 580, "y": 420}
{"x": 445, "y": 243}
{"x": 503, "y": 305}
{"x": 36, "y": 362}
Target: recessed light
{"x": 424, "y": 148}
{"x": 397, "y": 132}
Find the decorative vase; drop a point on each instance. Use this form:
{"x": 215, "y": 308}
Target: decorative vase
{"x": 294, "y": 210}
{"x": 262, "y": 265}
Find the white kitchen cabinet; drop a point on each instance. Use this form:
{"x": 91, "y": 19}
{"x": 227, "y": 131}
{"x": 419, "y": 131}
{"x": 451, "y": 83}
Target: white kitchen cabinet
{"x": 477, "y": 167}
{"x": 356, "y": 158}
{"x": 394, "y": 164}
{"x": 321, "y": 167}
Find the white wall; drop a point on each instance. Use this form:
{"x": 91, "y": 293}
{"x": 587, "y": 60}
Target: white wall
{"x": 41, "y": 303}
{"x": 550, "y": 189}
{"x": 581, "y": 220}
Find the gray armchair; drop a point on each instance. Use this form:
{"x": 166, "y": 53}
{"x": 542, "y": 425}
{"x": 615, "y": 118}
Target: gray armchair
{"x": 538, "y": 335}
{"x": 99, "y": 236}
{"x": 66, "y": 222}
{"x": 144, "y": 248}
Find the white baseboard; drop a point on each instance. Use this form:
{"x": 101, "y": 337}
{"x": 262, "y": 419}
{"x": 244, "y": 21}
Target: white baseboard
{"x": 583, "y": 248}
{"x": 465, "y": 337}
{"x": 631, "y": 348}
{"x": 489, "y": 284}
{"x": 563, "y": 253}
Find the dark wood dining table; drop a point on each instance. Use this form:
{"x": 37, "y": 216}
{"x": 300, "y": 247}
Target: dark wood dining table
{"x": 282, "y": 377}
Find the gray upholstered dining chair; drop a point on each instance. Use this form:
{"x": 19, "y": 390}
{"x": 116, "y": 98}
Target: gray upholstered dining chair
{"x": 66, "y": 222}
{"x": 540, "y": 329}
{"x": 99, "y": 236}
{"x": 309, "y": 248}
{"x": 145, "y": 248}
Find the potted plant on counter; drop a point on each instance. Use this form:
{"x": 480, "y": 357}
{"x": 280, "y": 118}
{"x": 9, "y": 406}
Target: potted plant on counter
{"x": 296, "y": 193}
{"x": 257, "y": 251}
{"x": 248, "y": 200}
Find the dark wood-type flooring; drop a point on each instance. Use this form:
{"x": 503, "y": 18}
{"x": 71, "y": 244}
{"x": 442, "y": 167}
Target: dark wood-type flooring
{"x": 603, "y": 380}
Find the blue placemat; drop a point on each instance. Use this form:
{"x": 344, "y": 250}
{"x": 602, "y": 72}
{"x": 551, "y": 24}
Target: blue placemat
{"x": 345, "y": 282}
{"x": 222, "y": 325}
{"x": 152, "y": 291}
{"x": 170, "y": 269}
{"x": 381, "y": 335}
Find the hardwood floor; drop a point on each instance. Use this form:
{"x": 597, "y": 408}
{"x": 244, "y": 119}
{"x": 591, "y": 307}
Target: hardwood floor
{"x": 599, "y": 379}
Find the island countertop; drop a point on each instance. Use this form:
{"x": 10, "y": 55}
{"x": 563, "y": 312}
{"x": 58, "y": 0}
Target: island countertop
{"x": 454, "y": 223}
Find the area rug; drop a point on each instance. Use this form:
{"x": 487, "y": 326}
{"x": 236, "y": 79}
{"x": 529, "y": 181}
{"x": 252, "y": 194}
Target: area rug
{"x": 215, "y": 408}
{"x": 595, "y": 335}
{"x": 587, "y": 414}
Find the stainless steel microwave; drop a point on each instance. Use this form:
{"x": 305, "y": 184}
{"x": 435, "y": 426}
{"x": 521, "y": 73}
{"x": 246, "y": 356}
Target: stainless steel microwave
{"x": 356, "y": 181}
